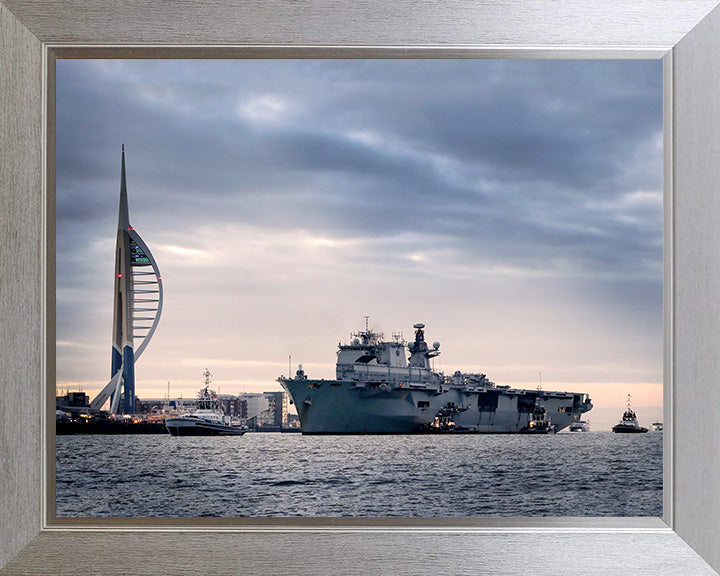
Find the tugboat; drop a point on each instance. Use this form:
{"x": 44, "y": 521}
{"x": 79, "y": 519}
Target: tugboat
{"x": 207, "y": 419}
{"x": 539, "y": 423}
{"x": 580, "y": 426}
{"x": 629, "y": 423}
{"x": 444, "y": 421}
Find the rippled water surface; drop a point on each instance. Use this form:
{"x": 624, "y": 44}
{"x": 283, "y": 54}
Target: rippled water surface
{"x": 265, "y": 474}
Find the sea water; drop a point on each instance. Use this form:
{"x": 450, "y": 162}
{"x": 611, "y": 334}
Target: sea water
{"x": 273, "y": 474}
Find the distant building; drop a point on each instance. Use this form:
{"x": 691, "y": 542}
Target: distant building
{"x": 275, "y": 416}
{"x": 293, "y": 421}
{"x": 73, "y": 402}
{"x": 233, "y": 405}
{"x": 255, "y": 404}
{"x": 147, "y": 405}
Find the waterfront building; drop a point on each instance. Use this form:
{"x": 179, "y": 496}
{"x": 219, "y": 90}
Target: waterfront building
{"x": 293, "y": 422}
{"x": 72, "y": 402}
{"x": 147, "y": 405}
{"x": 233, "y": 405}
{"x": 255, "y": 404}
{"x": 138, "y": 299}
{"x": 277, "y": 410}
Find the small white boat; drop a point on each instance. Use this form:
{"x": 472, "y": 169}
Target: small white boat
{"x": 657, "y": 426}
{"x": 207, "y": 419}
{"x": 580, "y": 426}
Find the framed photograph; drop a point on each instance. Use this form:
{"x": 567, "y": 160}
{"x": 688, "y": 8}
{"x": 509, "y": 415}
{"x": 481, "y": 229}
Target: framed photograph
{"x": 35, "y": 542}
{"x": 514, "y": 204}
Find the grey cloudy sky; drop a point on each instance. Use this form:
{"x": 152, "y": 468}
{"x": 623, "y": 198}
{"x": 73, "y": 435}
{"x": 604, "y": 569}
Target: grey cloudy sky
{"x": 513, "y": 206}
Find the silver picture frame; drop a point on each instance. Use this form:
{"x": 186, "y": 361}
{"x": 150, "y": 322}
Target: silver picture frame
{"x": 684, "y": 33}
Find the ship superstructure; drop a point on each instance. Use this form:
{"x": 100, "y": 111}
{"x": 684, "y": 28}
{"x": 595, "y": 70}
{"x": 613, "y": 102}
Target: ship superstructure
{"x": 389, "y": 387}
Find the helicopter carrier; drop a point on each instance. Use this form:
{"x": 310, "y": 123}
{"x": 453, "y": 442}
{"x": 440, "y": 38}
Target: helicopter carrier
{"x": 381, "y": 390}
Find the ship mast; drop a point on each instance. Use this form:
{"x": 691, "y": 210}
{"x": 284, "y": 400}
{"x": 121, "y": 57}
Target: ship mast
{"x": 207, "y": 377}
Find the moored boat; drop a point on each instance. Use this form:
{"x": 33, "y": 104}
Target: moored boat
{"x": 580, "y": 426}
{"x": 207, "y": 419}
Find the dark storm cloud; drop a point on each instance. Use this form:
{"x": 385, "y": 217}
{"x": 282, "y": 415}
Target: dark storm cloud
{"x": 534, "y": 164}
{"x": 561, "y": 121}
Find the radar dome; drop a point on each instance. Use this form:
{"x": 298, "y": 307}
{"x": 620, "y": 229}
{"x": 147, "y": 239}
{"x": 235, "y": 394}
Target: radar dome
{"x": 419, "y": 326}
{"x": 356, "y": 341}
{"x": 436, "y": 345}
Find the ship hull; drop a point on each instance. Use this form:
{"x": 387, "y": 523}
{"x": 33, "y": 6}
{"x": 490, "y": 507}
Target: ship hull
{"x": 626, "y": 429}
{"x": 193, "y": 427}
{"x": 350, "y": 407}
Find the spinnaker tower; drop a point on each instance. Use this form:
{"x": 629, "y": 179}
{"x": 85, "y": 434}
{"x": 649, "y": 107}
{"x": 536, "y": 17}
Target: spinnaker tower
{"x": 138, "y": 300}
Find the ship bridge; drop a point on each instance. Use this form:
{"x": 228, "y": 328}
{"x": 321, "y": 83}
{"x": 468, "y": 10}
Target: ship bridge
{"x": 369, "y": 358}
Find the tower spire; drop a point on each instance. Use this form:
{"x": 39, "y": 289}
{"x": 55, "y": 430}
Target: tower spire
{"x": 123, "y": 212}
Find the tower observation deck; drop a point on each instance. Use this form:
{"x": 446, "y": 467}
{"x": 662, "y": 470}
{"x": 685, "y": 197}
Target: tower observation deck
{"x": 138, "y": 299}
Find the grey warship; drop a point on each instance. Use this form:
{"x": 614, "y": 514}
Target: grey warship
{"x": 380, "y": 391}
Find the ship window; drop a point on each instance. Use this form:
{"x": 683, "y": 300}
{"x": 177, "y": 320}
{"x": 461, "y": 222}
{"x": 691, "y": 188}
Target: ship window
{"x": 423, "y": 404}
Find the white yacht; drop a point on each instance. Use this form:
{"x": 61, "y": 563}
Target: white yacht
{"x": 580, "y": 426}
